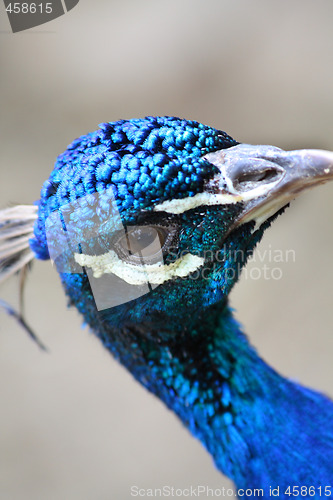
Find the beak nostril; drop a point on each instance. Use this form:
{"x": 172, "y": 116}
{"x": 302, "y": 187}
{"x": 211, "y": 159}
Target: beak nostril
{"x": 250, "y": 178}
{"x": 265, "y": 175}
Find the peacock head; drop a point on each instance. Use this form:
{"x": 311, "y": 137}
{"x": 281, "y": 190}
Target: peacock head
{"x": 152, "y": 220}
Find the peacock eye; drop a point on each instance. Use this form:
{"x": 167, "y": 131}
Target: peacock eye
{"x": 144, "y": 244}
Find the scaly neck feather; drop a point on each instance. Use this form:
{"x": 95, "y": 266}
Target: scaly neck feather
{"x": 261, "y": 429}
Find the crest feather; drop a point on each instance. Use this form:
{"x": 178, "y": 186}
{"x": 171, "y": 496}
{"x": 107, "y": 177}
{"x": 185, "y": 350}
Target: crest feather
{"x": 16, "y": 229}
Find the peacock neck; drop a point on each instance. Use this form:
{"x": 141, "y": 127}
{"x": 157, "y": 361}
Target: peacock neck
{"x": 251, "y": 420}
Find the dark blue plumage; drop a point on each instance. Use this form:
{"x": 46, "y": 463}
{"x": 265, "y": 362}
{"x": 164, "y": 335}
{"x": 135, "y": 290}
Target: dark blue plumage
{"x": 179, "y": 338}
{"x": 145, "y": 160}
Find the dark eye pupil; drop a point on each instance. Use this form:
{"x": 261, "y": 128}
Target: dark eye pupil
{"x": 142, "y": 242}
{"x": 142, "y": 245}
{"x": 140, "y": 239}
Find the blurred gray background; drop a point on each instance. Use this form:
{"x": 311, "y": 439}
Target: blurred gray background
{"x": 73, "y": 424}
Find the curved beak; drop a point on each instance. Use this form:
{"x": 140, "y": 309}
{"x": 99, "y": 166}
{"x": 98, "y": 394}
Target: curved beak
{"x": 265, "y": 178}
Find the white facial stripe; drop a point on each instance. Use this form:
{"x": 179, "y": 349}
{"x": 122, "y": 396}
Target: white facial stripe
{"x": 183, "y": 205}
{"x": 203, "y": 199}
{"x": 156, "y": 274}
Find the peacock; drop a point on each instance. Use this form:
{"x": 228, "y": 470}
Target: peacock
{"x": 149, "y": 222}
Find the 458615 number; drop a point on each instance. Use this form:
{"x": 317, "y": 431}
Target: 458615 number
{"x": 308, "y": 491}
{"x": 29, "y": 8}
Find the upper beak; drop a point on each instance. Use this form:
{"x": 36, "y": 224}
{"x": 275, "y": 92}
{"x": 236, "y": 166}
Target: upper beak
{"x": 265, "y": 178}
